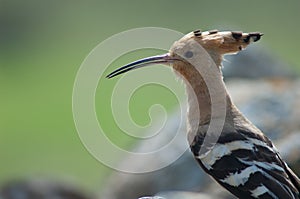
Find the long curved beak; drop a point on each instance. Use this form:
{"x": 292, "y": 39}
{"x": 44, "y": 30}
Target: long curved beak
{"x": 159, "y": 59}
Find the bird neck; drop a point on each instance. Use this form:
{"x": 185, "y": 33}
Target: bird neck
{"x": 199, "y": 97}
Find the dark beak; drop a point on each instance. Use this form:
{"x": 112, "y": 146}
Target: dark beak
{"x": 159, "y": 59}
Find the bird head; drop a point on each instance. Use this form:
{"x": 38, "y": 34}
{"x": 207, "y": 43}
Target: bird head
{"x": 215, "y": 43}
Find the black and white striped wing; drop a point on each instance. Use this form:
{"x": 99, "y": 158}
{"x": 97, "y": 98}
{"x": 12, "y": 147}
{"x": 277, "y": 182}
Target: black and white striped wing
{"x": 249, "y": 166}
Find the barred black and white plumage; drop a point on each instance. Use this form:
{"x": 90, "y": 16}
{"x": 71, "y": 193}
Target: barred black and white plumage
{"x": 246, "y": 163}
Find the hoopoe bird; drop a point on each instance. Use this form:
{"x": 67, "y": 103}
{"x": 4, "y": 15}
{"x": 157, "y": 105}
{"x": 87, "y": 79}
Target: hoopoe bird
{"x": 241, "y": 159}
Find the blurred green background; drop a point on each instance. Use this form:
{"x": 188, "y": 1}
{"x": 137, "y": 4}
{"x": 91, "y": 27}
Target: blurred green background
{"x": 43, "y": 43}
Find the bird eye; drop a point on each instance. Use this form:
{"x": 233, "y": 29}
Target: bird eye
{"x": 188, "y": 54}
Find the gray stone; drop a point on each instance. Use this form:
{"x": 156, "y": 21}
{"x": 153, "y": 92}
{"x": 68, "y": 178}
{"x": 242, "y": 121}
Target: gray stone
{"x": 41, "y": 189}
{"x": 255, "y": 62}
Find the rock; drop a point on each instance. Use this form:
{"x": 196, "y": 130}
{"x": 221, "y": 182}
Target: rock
{"x": 181, "y": 195}
{"x": 271, "y": 107}
{"x": 154, "y": 197}
{"x": 289, "y": 148}
{"x": 255, "y": 62}
{"x": 40, "y": 189}
{"x": 185, "y": 195}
